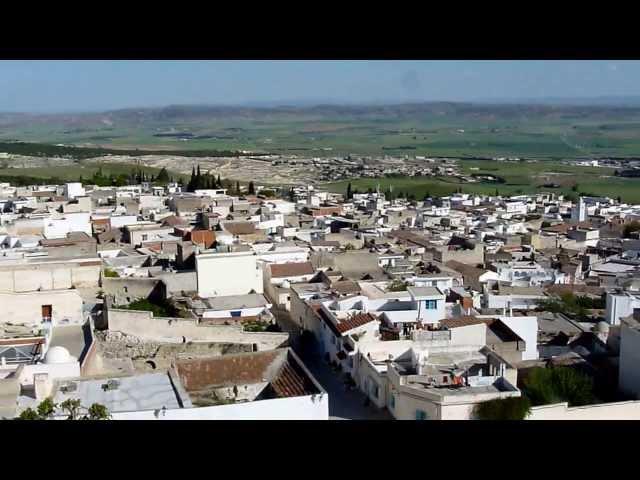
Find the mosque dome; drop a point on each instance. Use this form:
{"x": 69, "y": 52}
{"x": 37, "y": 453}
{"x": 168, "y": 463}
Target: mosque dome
{"x": 57, "y": 355}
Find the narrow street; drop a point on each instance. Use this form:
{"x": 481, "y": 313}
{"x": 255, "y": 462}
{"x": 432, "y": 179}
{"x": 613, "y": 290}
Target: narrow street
{"x": 343, "y": 404}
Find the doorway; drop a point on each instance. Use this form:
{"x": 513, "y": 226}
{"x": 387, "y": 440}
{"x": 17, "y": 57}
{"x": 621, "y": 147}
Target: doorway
{"x": 47, "y": 311}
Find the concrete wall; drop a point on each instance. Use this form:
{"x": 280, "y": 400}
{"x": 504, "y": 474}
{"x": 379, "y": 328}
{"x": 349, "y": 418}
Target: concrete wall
{"x": 527, "y": 329}
{"x": 293, "y": 408}
{"x": 70, "y": 222}
{"x": 178, "y": 282}
{"x": 619, "y": 306}
{"x": 54, "y": 370}
{"x": 26, "y": 308}
{"x": 228, "y": 274}
{"x": 49, "y": 276}
{"x": 126, "y": 290}
{"x": 174, "y": 330}
{"x": 603, "y": 411}
{"x": 629, "y": 371}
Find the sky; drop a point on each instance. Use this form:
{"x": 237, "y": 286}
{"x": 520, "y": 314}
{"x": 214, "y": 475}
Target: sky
{"x": 82, "y": 85}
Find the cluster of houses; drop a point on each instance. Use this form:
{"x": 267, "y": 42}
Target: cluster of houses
{"x": 163, "y": 304}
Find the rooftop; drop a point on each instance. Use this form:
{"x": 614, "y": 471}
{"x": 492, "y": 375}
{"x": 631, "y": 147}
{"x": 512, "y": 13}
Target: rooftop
{"x": 122, "y": 394}
{"x": 280, "y": 270}
{"x": 250, "y": 300}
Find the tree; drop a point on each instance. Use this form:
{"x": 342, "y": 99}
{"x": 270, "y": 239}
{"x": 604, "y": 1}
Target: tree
{"x": 349, "y": 192}
{"x": 252, "y": 188}
{"x": 191, "y": 186}
{"x": 71, "y": 407}
{"x": 29, "y": 414}
{"x": 267, "y": 193}
{"x": 397, "y": 286}
{"x": 629, "y": 228}
{"x": 98, "y": 412}
{"x": 349, "y": 246}
{"x": 163, "y": 176}
{"x": 544, "y": 386}
{"x": 46, "y": 408}
{"x": 513, "y": 408}
{"x": 238, "y": 188}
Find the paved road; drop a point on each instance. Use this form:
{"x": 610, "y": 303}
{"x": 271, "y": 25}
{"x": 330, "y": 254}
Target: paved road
{"x": 343, "y": 404}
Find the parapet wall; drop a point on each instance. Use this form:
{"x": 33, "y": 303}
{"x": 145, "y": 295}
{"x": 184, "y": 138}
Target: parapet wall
{"x": 604, "y": 411}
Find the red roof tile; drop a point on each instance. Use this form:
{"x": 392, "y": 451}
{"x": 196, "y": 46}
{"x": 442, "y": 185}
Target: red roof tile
{"x": 279, "y": 270}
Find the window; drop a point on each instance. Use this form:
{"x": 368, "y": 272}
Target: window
{"x": 145, "y": 237}
{"x": 374, "y": 389}
{"x": 236, "y": 313}
{"x": 431, "y": 304}
{"x": 421, "y": 415}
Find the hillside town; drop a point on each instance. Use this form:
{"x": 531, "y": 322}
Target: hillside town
{"x": 167, "y": 301}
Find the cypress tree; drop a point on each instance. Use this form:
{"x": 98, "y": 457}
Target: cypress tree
{"x": 238, "y": 188}
{"x": 349, "y": 192}
{"x": 191, "y": 186}
{"x": 252, "y": 188}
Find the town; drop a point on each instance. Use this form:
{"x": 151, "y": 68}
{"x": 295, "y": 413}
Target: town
{"x": 163, "y": 300}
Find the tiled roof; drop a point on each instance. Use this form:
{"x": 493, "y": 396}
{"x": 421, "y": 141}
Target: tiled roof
{"x": 291, "y": 383}
{"x": 354, "y": 321}
{"x": 239, "y": 228}
{"x": 279, "y": 270}
{"x": 463, "y": 321}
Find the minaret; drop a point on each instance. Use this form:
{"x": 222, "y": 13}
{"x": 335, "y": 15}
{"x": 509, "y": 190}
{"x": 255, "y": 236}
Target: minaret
{"x": 579, "y": 211}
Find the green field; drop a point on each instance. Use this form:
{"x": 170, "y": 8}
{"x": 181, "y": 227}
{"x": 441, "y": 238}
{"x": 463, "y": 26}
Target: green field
{"x": 73, "y": 173}
{"x": 520, "y": 178}
{"x": 454, "y": 130}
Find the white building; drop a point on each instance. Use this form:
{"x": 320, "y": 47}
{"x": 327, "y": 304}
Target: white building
{"x": 228, "y": 273}
{"x": 579, "y": 211}
{"x": 272, "y": 385}
{"x": 629, "y": 373}
{"x": 620, "y": 305}
{"x": 73, "y": 190}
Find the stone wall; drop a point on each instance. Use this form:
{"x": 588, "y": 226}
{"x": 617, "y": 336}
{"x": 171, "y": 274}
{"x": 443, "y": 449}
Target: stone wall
{"x": 126, "y": 290}
{"x": 148, "y": 355}
{"x": 179, "y": 330}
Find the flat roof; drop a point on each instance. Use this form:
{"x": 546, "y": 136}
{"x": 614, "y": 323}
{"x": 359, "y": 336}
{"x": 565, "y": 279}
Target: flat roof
{"x": 250, "y": 300}
{"x": 149, "y": 391}
{"x": 419, "y": 292}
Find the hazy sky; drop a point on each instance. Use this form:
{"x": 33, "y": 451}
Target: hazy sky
{"x": 97, "y": 85}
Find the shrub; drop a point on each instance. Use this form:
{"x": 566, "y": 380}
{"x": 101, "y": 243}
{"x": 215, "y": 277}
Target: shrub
{"x": 111, "y": 273}
{"x": 514, "y": 408}
{"x": 159, "y": 309}
{"x": 630, "y": 228}
{"x": 397, "y": 286}
{"x": 544, "y": 386}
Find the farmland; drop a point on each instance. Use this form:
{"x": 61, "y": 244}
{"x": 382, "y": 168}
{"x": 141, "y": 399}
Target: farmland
{"x": 430, "y": 129}
{"x": 519, "y": 178}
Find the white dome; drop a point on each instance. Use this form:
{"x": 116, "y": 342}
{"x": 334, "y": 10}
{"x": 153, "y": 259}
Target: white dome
{"x": 57, "y": 355}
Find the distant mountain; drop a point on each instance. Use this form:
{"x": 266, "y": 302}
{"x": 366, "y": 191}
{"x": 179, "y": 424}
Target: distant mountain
{"x": 602, "y": 108}
{"x": 605, "y": 101}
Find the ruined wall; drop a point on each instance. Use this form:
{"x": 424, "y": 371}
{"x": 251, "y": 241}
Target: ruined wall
{"x": 148, "y": 355}
{"x": 126, "y": 290}
{"x": 178, "y": 330}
